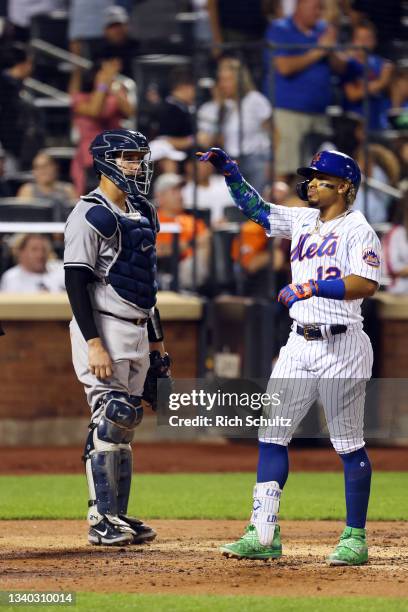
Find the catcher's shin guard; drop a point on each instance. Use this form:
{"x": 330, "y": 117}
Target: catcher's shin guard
{"x": 124, "y": 479}
{"x": 102, "y": 472}
{"x": 102, "y": 469}
{"x": 108, "y": 455}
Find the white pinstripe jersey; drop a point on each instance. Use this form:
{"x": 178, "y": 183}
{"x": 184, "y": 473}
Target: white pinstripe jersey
{"x": 343, "y": 246}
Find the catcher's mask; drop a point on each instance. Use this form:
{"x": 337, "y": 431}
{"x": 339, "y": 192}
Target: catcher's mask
{"x": 113, "y": 152}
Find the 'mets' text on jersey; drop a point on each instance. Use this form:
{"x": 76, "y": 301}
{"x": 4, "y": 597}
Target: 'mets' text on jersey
{"x": 326, "y": 251}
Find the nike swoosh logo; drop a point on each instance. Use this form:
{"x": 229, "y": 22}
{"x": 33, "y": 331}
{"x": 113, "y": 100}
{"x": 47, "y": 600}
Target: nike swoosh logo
{"x": 102, "y": 533}
{"x": 146, "y": 247}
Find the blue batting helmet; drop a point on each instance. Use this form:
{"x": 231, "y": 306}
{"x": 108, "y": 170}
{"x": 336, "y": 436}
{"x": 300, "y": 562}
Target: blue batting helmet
{"x": 333, "y": 163}
{"x": 108, "y": 148}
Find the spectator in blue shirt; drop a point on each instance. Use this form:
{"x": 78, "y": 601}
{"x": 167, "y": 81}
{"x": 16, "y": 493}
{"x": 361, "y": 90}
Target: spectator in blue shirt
{"x": 302, "y": 80}
{"x": 380, "y": 73}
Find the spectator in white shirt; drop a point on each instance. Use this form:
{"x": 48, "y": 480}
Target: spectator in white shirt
{"x": 395, "y": 246}
{"x": 247, "y": 138}
{"x": 34, "y": 271}
{"x": 211, "y": 193}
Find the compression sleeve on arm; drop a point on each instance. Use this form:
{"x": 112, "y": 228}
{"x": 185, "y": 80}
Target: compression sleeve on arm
{"x": 248, "y": 200}
{"x": 76, "y": 283}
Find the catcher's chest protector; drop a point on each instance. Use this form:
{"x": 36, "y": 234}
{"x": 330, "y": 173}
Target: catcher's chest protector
{"x": 132, "y": 273}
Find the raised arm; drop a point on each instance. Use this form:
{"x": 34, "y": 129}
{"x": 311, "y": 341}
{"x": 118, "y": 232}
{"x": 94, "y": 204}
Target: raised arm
{"x": 276, "y": 220}
{"x": 244, "y": 195}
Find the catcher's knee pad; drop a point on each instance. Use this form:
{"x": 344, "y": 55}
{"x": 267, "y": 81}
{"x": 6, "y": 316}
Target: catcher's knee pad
{"x": 119, "y": 417}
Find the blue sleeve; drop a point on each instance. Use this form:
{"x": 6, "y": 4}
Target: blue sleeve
{"x": 277, "y": 34}
{"x": 378, "y": 63}
{"x": 354, "y": 71}
{"x": 249, "y": 201}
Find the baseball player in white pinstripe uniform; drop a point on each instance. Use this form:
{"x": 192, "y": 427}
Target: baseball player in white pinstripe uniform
{"x": 335, "y": 261}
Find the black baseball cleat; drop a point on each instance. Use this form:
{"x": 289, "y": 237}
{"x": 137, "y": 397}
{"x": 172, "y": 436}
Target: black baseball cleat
{"x": 107, "y": 533}
{"x": 143, "y": 533}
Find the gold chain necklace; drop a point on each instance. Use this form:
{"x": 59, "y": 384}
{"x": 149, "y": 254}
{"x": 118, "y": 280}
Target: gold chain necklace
{"x": 316, "y": 229}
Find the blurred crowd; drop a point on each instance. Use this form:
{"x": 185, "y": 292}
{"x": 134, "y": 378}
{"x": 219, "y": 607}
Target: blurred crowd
{"x": 270, "y": 81}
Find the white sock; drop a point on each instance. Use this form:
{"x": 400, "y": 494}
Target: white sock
{"x": 265, "y": 510}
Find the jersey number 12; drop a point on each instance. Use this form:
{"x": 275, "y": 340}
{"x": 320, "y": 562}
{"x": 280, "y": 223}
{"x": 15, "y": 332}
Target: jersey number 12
{"x": 328, "y": 274}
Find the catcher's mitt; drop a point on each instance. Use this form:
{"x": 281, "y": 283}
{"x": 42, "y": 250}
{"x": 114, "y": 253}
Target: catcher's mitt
{"x": 159, "y": 368}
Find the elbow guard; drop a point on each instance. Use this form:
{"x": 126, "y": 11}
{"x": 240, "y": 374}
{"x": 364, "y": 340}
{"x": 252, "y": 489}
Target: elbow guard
{"x": 154, "y": 327}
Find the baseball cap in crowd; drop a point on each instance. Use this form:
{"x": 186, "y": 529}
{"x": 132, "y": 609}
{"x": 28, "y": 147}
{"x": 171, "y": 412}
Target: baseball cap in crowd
{"x": 162, "y": 149}
{"x": 115, "y": 14}
{"x": 168, "y": 180}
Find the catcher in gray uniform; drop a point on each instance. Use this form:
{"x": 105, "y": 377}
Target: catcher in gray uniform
{"x": 116, "y": 335}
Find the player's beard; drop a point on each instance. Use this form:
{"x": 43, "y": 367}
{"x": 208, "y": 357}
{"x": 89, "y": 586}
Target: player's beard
{"x": 315, "y": 202}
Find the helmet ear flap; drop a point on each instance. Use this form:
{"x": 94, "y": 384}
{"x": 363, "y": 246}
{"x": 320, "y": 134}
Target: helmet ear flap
{"x": 97, "y": 171}
{"x": 301, "y": 190}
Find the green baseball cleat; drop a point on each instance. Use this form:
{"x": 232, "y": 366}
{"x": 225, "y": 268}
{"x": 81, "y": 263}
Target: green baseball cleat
{"x": 352, "y": 548}
{"x": 249, "y": 547}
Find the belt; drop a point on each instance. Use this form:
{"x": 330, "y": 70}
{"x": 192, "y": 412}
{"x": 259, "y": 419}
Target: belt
{"x": 142, "y": 322}
{"x": 313, "y": 332}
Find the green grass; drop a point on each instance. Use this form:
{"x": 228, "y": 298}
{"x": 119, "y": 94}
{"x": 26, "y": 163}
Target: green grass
{"x": 237, "y": 603}
{"x": 195, "y": 496}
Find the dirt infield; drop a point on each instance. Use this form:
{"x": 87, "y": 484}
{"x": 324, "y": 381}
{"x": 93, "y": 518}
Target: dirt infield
{"x": 54, "y": 555}
{"x": 168, "y": 457}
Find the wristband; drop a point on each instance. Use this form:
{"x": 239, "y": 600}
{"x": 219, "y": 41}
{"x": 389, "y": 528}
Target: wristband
{"x": 102, "y": 87}
{"x": 332, "y": 289}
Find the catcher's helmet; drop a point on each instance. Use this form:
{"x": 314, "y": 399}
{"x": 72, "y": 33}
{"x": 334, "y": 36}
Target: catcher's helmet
{"x": 333, "y": 163}
{"x": 108, "y": 146}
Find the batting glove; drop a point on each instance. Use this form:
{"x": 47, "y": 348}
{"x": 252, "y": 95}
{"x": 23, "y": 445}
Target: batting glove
{"x": 220, "y": 160}
{"x": 293, "y": 293}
